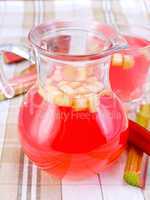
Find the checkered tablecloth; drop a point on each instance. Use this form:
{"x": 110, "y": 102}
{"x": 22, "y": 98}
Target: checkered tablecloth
{"x": 19, "y": 178}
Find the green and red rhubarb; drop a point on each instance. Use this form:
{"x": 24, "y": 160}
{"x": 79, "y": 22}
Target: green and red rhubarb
{"x": 22, "y": 82}
{"x": 139, "y": 139}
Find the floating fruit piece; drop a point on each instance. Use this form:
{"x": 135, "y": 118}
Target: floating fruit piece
{"x": 124, "y": 61}
{"x": 81, "y": 74}
{"x": 49, "y": 92}
{"x": 117, "y": 60}
{"x": 128, "y": 62}
{"x": 49, "y": 81}
{"x": 93, "y": 103}
{"x": 90, "y": 70}
{"x": 67, "y": 89}
{"x": 62, "y": 100}
{"x": 94, "y": 87}
{"x": 91, "y": 79}
{"x": 57, "y": 76}
{"x": 69, "y": 73}
{"x": 80, "y": 103}
{"x": 75, "y": 84}
{"x": 62, "y": 83}
{"x": 81, "y": 90}
{"x": 52, "y": 89}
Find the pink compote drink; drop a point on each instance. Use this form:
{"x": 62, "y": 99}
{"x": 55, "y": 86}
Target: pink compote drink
{"x": 71, "y": 124}
{"x": 128, "y": 78}
{"x": 72, "y": 127}
{"x": 67, "y": 143}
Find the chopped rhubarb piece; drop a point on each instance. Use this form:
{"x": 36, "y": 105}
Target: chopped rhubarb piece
{"x": 93, "y": 103}
{"x": 67, "y": 89}
{"x": 117, "y": 60}
{"x": 21, "y": 82}
{"x": 82, "y": 90}
{"x": 69, "y": 73}
{"x": 57, "y": 76}
{"x": 49, "y": 93}
{"x": 81, "y": 74}
{"x": 75, "y": 84}
{"x": 95, "y": 87}
{"x": 128, "y": 62}
{"x": 11, "y": 58}
{"x": 62, "y": 100}
{"x": 62, "y": 83}
{"x": 80, "y": 103}
{"x": 124, "y": 61}
{"x": 91, "y": 70}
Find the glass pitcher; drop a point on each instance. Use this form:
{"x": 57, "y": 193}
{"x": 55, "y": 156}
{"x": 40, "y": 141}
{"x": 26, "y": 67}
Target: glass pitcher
{"x": 71, "y": 124}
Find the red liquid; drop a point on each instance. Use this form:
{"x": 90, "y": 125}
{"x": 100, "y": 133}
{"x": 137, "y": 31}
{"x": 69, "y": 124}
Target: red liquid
{"x": 68, "y": 143}
{"x": 128, "y": 84}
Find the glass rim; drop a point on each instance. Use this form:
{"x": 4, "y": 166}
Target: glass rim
{"x": 73, "y": 57}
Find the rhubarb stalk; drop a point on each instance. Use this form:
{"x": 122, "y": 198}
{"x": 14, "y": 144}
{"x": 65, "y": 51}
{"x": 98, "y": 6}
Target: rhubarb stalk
{"x": 10, "y": 58}
{"x": 22, "y": 82}
{"x": 137, "y": 161}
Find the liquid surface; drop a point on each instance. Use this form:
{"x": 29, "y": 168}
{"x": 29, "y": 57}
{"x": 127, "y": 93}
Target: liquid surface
{"x": 129, "y": 83}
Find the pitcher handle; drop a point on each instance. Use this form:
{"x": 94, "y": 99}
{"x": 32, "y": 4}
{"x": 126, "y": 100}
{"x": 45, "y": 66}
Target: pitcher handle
{"x": 20, "y": 50}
